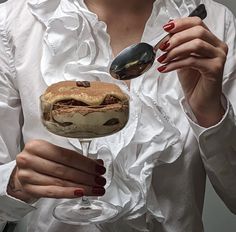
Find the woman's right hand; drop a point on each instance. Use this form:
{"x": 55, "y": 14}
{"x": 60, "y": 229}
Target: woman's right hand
{"x": 46, "y": 170}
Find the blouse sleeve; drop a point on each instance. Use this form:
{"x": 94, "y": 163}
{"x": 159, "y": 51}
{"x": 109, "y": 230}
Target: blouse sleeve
{"x": 11, "y": 209}
{"x": 218, "y": 143}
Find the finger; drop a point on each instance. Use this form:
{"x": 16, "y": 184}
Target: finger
{"x": 64, "y": 156}
{"x": 182, "y": 24}
{"x": 57, "y": 170}
{"x": 35, "y": 178}
{"x": 196, "y": 47}
{"x": 209, "y": 66}
{"x": 52, "y": 191}
{"x": 197, "y": 32}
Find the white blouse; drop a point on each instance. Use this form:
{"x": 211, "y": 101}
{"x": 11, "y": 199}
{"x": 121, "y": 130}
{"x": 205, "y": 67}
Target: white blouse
{"x": 160, "y": 158}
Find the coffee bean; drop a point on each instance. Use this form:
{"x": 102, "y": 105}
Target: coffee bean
{"x": 83, "y": 84}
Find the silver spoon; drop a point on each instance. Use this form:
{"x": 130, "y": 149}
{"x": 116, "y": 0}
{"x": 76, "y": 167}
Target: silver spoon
{"x": 138, "y": 58}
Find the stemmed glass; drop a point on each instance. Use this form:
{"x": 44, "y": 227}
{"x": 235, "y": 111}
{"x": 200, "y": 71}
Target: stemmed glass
{"x": 85, "y": 210}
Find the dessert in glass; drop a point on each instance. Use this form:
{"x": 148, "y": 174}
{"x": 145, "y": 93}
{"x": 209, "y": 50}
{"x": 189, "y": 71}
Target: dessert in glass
{"x": 84, "y": 110}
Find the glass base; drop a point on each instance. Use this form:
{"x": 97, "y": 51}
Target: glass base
{"x": 84, "y": 212}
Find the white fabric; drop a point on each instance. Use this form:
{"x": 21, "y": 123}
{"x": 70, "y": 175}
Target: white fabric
{"x": 159, "y": 178}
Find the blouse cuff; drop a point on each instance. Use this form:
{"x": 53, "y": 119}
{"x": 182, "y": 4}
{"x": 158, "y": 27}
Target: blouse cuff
{"x": 199, "y": 130}
{"x": 11, "y": 209}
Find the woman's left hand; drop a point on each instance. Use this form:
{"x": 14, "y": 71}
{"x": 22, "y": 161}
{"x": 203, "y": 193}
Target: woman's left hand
{"x": 199, "y": 57}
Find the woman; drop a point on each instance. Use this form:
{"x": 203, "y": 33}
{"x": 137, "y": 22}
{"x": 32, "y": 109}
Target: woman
{"x": 181, "y": 125}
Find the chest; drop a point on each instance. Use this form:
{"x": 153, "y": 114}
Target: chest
{"x": 123, "y": 34}
{"x": 125, "y": 23}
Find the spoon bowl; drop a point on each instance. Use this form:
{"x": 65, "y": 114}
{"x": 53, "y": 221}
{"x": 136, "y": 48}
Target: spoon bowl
{"x": 135, "y": 59}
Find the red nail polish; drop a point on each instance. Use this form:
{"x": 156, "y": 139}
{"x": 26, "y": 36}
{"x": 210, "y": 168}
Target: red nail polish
{"x": 100, "y": 180}
{"x": 164, "y": 46}
{"x": 100, "y": 161}
{"x": 161, "y": 69}
{"x": 100, "y": 169}
{"x": 162, "y": 58}
{"x": 98, "y": 191}
{"x": 79, "y": 193}
{"x": 169, "y": 26}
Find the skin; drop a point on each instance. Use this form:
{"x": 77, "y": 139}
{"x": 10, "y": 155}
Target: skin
{"x": 126, "y": 25}
{"x": 45, "y": 170}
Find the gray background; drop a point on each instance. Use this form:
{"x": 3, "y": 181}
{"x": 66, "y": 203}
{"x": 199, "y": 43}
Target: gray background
{"x": 216, "y": 217}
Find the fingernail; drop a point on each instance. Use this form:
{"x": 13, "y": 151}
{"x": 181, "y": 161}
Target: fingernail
{"x": 98, "y": 191}
{"x": 169, "y": 26}
{"x": 161, "y": 69}
{"x": 164, "y": 46}
{"x": 100, "y": 169}
{"x": 78, "y": 192}
{"x": 162, "y": 58}
{"x": 100, "y": 180}
{"x": 100, "y": 161}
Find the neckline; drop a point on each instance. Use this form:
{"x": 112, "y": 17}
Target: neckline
{"x": 134, "y": 84}
{"x": 84, "y": 5}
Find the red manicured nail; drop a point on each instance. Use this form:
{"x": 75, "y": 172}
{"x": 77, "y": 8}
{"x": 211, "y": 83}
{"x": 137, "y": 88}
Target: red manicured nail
{"x": 98, "y": 191}
{"x": 162, "y": 58}
{"x": 78, "y": 192}
{"x": 169, "y": 26}
{"x": 164, "y": 46}
{"x": 161, "y": 69}
{"x": 100, "y": 169}
{"x": 100, "y": 161}
{"x": 100, "y": 180}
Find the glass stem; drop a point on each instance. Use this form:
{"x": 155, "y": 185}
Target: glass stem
{"x": 85, "y": 202}
{"x": 85, "y": 144}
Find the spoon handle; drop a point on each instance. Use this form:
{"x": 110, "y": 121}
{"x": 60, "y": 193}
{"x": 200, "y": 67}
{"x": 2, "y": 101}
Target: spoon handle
{"x": 200, "y": 12}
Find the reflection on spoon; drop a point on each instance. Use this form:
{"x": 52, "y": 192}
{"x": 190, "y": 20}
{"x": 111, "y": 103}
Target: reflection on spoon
{"x": 132, "y": 61}
{"x": 136, "y": 59}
